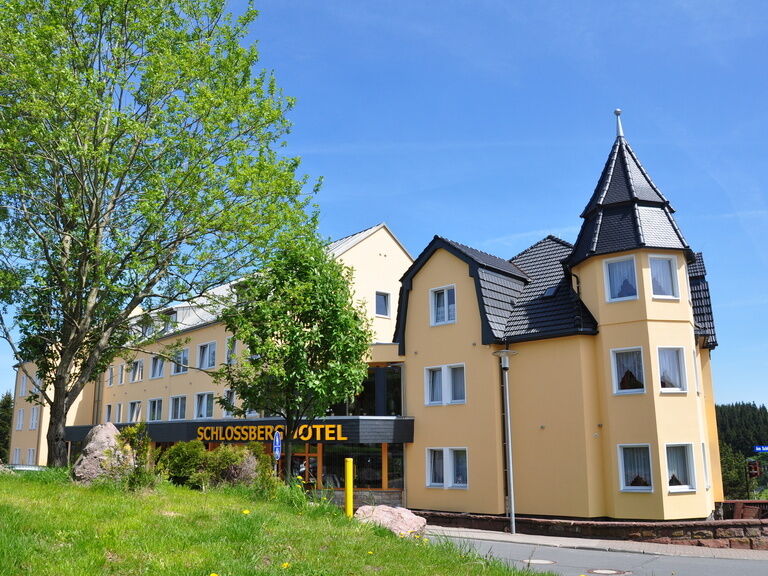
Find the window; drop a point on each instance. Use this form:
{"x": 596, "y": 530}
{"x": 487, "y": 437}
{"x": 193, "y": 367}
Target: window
{"x": 627, "y": 371}
{"x": 108, "y": 413}
{"x": 445, "y": 385}
{"x": 16, "y": 456}
{"x": 181, "y": 361}
{"x": 204, "y": 405}
{"x": 169, "y": 321}
{"x": 635, "y": 468}
{"x": 137, "y": 370}
{"x": 207, "y": 355}
{"x": 680, "y": 468}
{"x": 23, "y": 385}
{"x": 231, "y": 350}
{"x": 443, "y": 305}
{"x": 121, "y": 374}
{"x": 178, "y": 407}
{"x": 157, "y": 367}
{"x": 155, "y": 410}
{"x": 447, "y": 467}
{"x": 134, "y": 411}
{"x": 229, "y": 396}
{"x": 118, "y": 413}
{"x": 382, "y": 304}
{"x": 20, "y": 419}
{"x": 620, "y": 281}
{"x": 34, "y": 417}
{"x": 110, "y": 376}
{"x": 31, "y": 460}
{"x": 664, "y": 276}
{"x": 672, "y": 370}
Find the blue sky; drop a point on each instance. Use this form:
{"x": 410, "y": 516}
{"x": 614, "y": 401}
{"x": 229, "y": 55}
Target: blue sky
{"x": 489, "y": 122}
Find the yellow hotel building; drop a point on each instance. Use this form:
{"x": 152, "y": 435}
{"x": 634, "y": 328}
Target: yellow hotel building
{"x": 610, "y": 389}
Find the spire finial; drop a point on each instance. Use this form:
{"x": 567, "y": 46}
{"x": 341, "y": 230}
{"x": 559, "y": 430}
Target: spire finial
{"x": 619, "y": 129}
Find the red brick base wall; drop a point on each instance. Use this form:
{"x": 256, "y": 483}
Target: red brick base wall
{"x": 748, "y": 534}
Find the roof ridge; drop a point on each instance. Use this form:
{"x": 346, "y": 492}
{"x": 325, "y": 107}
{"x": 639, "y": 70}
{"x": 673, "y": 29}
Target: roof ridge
{"x": 550, "y": 237}
{"x": 337, "y": 240}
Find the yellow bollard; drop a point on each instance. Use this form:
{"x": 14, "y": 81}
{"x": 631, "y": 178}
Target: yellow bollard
{"x": 348, "y": 486}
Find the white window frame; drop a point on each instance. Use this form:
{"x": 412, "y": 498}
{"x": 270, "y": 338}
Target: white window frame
{"x": 118, "y": 412}
{"x": 108, "y": 413}
{"x": 691, "y": 487}
{"x": 16, "y": 456}
{"x": 34, "y": 417}
{"x": 606, "y": 278}
{"x": 684, "y": 379}
{"x": 134, "y": 411}
{"x": 446, "y": 377}
{"x": 111, "y": 376}
{"x": 707, "y": 481}
{"x": 180, "y": 362}
{"x": 206, "y": 355}
{"x": 31, "y": 456}
{"x": 388, "y": 300}
{"x": 23, "y": 385}
{"x": 615, "y": 376}
{"x": 20, "y": 419}
{"x": 150, "y": 403}
{"x": 121, "y": 374}
{"x": 448, "y": 468}
{"x": 672, "y": 259}
{"x": 137, "y": 371}
{"x": 177, "y": 400}
{"x": 153, "y": 364}
{"x": 198, "y": 396}
{"x": 627, "y": 488}
{"x": 170, "y": 320}
{"x": 432, "y": 293}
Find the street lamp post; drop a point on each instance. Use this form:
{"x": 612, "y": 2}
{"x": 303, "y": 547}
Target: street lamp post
{"x": 503, "y": 356}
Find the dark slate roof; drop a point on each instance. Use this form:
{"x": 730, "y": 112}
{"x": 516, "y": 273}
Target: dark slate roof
{"x": 702, "y": 305}
{"x": 626, "y": 211}
{"x": 536, "y": 315}
{"x": 511, "y": 292}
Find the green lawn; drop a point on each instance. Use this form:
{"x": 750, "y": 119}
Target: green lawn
{"x": 48, "y": 526}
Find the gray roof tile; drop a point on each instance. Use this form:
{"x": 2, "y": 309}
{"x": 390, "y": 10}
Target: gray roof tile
{"x": 702, "y": 304}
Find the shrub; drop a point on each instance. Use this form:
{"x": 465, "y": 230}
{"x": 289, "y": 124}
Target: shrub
{"x": 182, "y": 461}
{"x": 266, "y": 484}
{"x": 142, "y": 474}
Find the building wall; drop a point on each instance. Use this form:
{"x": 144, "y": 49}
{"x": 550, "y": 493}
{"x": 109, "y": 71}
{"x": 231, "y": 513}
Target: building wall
{"x": 476, "y": 424}
{"x": 654, "y": 417}
{"x": 377, "y": 264}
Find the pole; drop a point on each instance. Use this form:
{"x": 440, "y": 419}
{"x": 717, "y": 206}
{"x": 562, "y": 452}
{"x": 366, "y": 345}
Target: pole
{"x": 348, "y": 481}
{"x": 503, "y": 356}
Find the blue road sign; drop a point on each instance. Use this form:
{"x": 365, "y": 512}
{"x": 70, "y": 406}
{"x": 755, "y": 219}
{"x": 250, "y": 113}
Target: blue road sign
{"x": 761, "y": 448}
{"x": 277, "y": 445}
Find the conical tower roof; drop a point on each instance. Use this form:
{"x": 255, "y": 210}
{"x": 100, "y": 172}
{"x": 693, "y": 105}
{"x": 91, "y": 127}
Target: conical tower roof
{"x": 626, "y": 211}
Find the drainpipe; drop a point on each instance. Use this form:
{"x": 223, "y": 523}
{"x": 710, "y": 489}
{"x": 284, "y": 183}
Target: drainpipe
{"x": 503, "y": 356}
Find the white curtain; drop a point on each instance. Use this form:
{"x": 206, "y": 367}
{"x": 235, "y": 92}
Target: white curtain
{"x": 677, "y": 465}
{"x": 661, "y": 274}
{"x": 436, "y": 385}
{"x": 457, "y": 384}
{"x": 629, "y": 370}
{"x": 670, "y": 367}
{"x": 436, "y": 466}
{"x": 637, "y": 466}
{"x": 621, "y": 278}
{"x": 439, "y": 306}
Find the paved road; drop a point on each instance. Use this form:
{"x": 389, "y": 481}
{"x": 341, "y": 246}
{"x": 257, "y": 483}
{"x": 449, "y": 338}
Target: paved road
{"x": 577, "y": 557}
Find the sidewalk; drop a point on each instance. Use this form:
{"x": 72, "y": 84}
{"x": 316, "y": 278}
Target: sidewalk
{"x": 603, "y": 545}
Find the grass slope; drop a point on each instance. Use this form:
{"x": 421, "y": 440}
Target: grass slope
{"x": 49, "y": 526}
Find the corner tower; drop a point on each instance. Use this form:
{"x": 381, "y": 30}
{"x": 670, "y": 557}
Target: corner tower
{"x": 634, "y": 269}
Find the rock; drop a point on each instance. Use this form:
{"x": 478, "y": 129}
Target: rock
{"x": 5, "y": 470}
{"x": 401, "y": 521}
{"x": 103, "y": 455}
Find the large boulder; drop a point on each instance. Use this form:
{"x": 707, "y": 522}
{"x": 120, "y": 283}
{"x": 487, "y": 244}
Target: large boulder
{"x": 103, "y": 455}
{"x": 401, "y": 521}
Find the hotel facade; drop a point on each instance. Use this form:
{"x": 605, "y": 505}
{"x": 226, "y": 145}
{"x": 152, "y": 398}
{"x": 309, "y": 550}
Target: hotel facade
{"x": 610, "y": 388}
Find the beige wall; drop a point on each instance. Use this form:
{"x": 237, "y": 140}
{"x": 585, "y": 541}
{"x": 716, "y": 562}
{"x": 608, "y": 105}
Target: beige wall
{"x": 377, "y": 263}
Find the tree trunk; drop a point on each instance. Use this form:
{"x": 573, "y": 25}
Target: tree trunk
{"x": 57, "y": 447}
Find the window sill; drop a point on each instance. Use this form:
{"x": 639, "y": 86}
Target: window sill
{"x": 628, "y": 392}
{"x": 638, "y": 490}
{"x": 387, "y": 316}
{"x": 667, "y": 298}
{"x": 627, "y": 299}
{"x": 682, "y": 490}
{"x": 443, "y": 323}
{"x": 678, "y": 391}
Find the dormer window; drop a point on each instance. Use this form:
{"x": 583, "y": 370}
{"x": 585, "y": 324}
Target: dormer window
{"x": 443, "y": 305}
{"x": 620, "y": 279}
{"x": 664, "y": 276}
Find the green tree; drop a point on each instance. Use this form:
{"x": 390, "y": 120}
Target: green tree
{"x": 6, "y": 417}
{"x": 138, "y": 168}
{"x": 305, "y": 338}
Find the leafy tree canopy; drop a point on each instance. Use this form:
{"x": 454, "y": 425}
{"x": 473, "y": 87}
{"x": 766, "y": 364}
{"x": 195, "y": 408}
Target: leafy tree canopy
{"x": 138, "y": 168}
{"x": 6, "y": 417}
{"x": 305, "y": 338}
